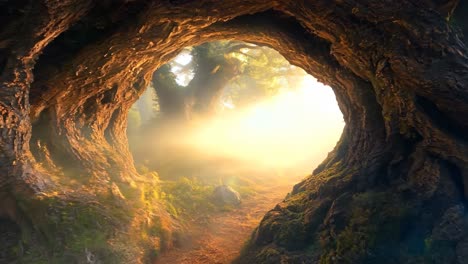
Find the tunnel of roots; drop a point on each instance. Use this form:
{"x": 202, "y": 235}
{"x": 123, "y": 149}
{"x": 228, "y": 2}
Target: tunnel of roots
{"x": 230, "y": 113}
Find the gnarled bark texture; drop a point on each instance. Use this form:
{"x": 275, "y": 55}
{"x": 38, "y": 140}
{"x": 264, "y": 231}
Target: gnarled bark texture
{"x": 393, "y": 190}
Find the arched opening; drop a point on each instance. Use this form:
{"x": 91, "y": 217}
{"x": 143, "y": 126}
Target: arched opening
{"x": 263, "y": 101}
{"x": 229, "y": 117}
{"x": 392, "y": 190}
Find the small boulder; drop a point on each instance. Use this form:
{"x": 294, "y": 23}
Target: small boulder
{"x": 224, "y": 194}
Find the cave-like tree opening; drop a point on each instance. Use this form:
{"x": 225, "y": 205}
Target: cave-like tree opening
{"x": 234, "y": 100}
{"x": 392, "y": 191}
{"x": 229, "y": 124}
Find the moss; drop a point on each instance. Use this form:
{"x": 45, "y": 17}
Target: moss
{"x": 374, "y": 220}
{"x": 60, "y": 228}
{"x": 68, "y": 230}
{"x": 354, "y": 241}
{"x": 291, "y": 234}
{"x": 296, "y": 203}
{"x": 76, "y": 224}
{"x": 269, "y": 255}
{"x": 187, "y": 196}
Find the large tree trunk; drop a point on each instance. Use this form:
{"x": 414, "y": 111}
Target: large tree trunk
{"x": 172, "y": 98}
{"x": 19, "y": 47}
{"x": 212, "y": 72}
{"x": 394, "y": 189}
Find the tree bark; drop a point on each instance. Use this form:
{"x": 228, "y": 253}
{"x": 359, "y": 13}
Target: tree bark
{"x": 19, "y": 47}
{"x": 392, "y": 191}
{"x": 171, "y": 96}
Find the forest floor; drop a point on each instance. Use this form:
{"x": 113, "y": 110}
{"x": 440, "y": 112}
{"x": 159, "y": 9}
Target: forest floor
{"x": 219, "y": 239}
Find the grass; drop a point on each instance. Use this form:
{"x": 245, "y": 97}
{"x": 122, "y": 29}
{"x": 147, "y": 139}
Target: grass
{"x": 82, "y": 226}
{"x": 115, "y": 223}
{"x": 63, "y": 230}
{"x": 191, "y": 195}
{"x": 187, "y": 197}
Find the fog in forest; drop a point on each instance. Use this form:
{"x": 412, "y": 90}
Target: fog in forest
{"x": 283, "y": 133}
{"x": 288, "y": 134}
{"x": 226, "y": 129}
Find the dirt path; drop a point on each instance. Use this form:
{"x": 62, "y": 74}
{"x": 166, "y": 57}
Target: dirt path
{"x": 221, "y": 240}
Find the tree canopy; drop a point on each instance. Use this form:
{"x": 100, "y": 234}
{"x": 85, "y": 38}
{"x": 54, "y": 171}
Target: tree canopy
{"x": 207, "y": 77}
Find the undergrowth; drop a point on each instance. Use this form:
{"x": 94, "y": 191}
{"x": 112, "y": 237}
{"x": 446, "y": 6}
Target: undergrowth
{"x": 121, "y": 223}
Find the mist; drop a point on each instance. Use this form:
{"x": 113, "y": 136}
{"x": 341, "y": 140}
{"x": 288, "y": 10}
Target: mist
{"x": 285, "y": 135}
{"x": 225, "y": 130}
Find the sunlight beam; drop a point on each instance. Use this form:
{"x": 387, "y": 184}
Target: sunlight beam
{"x": 294, "y": 128}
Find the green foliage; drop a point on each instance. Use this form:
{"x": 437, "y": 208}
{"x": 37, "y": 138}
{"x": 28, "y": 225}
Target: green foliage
{"x": 73, "y": 231}
{"x": 291, "y": 234}
{"x": 260, "y": 72}
{"x": 187, "y": 196}
{"x": 264, "y": 72}
{"x": 103, "y": 227}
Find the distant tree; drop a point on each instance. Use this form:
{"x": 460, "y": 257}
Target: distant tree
{"x": 211, "y": 69}
{"x": 224, "y": 70}
{"x": 264, "y": 72}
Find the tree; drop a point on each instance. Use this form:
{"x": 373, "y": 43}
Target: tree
{"x": 212, "y": 70}
{"x": 264, "y": 73}
{"x": 223, "y": 70}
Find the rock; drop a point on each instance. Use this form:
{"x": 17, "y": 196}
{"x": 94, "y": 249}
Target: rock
{"x": 224, "y": 194}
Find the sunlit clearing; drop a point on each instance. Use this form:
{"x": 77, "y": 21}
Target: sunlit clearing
{"x": 293, "y": 130}
{"x": 249, "y": 114}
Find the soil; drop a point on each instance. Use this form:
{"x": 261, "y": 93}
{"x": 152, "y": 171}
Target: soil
{"x": 219, "y": 239}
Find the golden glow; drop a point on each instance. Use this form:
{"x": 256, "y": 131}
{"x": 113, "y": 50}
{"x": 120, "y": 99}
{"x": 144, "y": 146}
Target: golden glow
{"x": 293, "y": 130}
{"x": 183, "y": 58}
